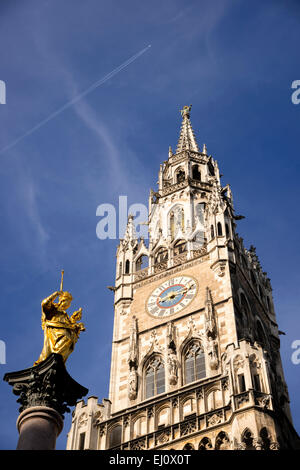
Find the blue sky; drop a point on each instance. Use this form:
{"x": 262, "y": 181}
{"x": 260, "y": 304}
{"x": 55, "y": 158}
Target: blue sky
{"x": 234, "y": 61}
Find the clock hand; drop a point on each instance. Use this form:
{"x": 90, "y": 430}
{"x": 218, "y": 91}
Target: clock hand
{"x": 182, "y": 291}
{"x": 173, "y": 295}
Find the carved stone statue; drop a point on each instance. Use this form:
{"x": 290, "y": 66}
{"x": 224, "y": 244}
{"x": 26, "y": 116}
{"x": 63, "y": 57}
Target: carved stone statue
{"x": 132, "y": 384}
{"x": 212, "y": 351}
{"x": 171, "y": 336}
{"x": 210, "y": 323}
{"x": 172, "y": 367}
{"x": 133, "y": 344}
{"x": 61, "y": 332}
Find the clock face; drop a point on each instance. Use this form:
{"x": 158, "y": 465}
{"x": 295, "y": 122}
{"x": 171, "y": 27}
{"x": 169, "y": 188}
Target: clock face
{"x": 172, "y": 296}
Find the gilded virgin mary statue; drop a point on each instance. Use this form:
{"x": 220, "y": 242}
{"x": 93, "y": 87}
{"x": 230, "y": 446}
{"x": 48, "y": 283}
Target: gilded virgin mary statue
{"x": 61, "y": 331}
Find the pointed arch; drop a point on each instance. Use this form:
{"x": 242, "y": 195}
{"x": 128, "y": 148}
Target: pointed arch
{"x": 222, "y": 441}
{"x": 188, "y": 406}
{"x": 260, "y": 333}
{"x": 198, "y": 240}
{"x": 247, "y": 439}
{"x": 142, "y": 262}
{"x": 205, "y": 444}
{"x": 115, "y": 435}
{"x": 161, "y": 255}
{"x": 179, "y": 247}
{"x": 127, "y": 266}
{"x": 265, "y": 437}
{"x": 214, "y": 398}
{"x": 253, "y": 279}
{"x": 256, "y": 373}
{"x": 219, "y": 229}
{"x": 163, "y": 415}
{"x": 227, "y": 230}
{"x": 238, "y": 363}
{"x": 188, "y": 446}
{"x": 179, "y": 175}
{"x": 196, "y": 174}
{"x": 176, "y": 220}
{"x": 154, "y": 376}
{"x": 200, "y": 211}
{"x": 193, "y": 361}
{"x": 139, "y": 426}
{"x": 172, "y": 224}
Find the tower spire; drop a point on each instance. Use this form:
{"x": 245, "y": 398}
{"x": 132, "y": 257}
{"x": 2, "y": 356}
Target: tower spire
{"x": 187, "y": 140}
{"x": 130, "y": 234}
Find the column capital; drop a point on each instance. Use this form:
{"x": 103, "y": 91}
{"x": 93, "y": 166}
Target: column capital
{"x": 47, "y": 384}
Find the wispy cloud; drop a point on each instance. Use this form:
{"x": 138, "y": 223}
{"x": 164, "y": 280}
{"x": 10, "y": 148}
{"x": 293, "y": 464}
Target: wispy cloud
{"x": 29, "y": 193}
{"x": 22, "y": 209}
{"x": 75, "y": 99}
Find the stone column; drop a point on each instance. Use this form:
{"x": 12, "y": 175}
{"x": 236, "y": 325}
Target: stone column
{"x": 45, "y": 391}
{"x": 39, "y": 427}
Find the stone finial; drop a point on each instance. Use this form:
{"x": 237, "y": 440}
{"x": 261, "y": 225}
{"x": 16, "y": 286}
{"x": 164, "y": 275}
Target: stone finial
{"x": 187, "y": 140}
{"x": 130, "y": 234}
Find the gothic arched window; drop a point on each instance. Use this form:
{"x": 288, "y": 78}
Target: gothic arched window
{"x": 247, "y": 439}
{"x": 264, "y": 435}
{"x": 227, "y": 230}
{"x": 161, "y": 255}
{"x": 176, "y": 220}
{"x": 212, "y": 232}
{"x": 253, "y": 279}
{"x": 127, "y": 266}
{"x": 255, "y": 369}
{"x": 211, "y": 168}
{"x": 205, "y": 444}
{"x": 222, "y": 441}
{"x": 196, "y": 175}
{"x": 141, "y": 263}
{"x": 179, "y": 247}
{"x": 260, "y": 334}
{"x": 200, "y": 209}
{"x": 172, "y": 224}
{"x": 154, "y": 377}
{"x": 115, "y": 436}
{"x": 180, "y": 176}
{"x": 188, "y": 446}
{"x": 193, "y": 362}
{"x": 219, "y": 229}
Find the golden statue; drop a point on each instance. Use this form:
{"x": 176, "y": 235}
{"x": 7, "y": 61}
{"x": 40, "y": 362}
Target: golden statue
{"x": 61, "y": 332}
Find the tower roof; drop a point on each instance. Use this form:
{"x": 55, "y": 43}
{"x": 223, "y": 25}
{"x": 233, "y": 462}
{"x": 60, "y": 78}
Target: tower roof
{"x": 187, "y": 140}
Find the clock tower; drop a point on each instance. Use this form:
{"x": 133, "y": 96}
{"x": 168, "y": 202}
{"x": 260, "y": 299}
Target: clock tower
{"x": 195, "y": 354}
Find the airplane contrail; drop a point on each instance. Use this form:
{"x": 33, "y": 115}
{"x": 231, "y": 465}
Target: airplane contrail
{"x": 74, "y": 100}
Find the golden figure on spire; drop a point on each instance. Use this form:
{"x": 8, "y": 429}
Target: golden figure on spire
{"x": 61, "y": 332}
{"x": 185, "y": 111}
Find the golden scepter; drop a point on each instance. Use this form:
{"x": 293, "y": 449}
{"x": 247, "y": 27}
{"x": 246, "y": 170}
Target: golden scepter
{"x": 62, "y": 281}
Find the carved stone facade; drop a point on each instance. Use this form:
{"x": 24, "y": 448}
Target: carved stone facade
{"x": 195, "y": 358}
